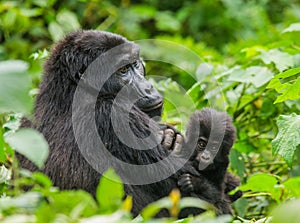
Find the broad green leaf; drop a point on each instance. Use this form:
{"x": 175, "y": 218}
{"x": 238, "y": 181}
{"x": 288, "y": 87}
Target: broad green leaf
{"x": 295, "y": 27}
{"x": 31, "y": 144}
{"x": 14, "y": 87}
{"x": 152, "y": 209}
{"x": 256, "y": 75}
{"x": 56, "y": 31}
{"x": 19, "y": 218}
{"x": 287, "y": 90}
{"x": 260, "y": 182}
{"x": 28, "y": 200}
{"x": 68, "y": 21}
{"x": 287, "y": 212}
{"x": 195, "y": 202}
{"x": 165, "y": 21}
{"x": 288, "y": 137}
{"x": 117, "y": 217}
{"x": 282, "y": 60}
{"x": 292, "y": 187}
{"x": 292, "y": 92}
{"x": 277, "y": 85}
{"x": 71, "y": 203}
{"x": 237, "y": 162}
{"x": 110, "y": 192}
{"x": 241, "y": 206}
{"x": 288, "y": 73}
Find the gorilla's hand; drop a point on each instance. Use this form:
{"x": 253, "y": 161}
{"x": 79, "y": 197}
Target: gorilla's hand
{"x": 185, "y": 183}
{"x": 171, "y": 139}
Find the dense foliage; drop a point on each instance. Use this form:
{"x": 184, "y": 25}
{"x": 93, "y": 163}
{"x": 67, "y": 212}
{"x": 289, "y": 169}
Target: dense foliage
{"x": 240, "y": 56}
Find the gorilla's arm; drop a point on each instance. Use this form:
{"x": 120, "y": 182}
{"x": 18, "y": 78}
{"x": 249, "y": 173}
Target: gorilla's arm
{"x": 232, "y": 182}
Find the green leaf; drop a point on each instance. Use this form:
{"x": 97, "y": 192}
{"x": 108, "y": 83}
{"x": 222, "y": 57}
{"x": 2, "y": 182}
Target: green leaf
{"x": 68, "y": 21}
{"x": 241, "y": 206}
{"x": 295, "y": 27}
{"x": 281, "y": 59}
{"x": 260, "y": 182}
{"x": 237, "y": 162}
{"x": 152, "y": 209}
{"x": 31, "y": 144}
{"x": 287, "y": 212}
{"x": 288, "y": 137}
{"x": 110, "y": 192}
{"x": 56, "y": 31}
{"x": 287, "y": 90}
{"x": 28, "y": 200}
{"x": 167, "y": 22}
{"x": 292, "y": 92}
{"x": 77, "y": 203}
{"x": 195, "y": 202}
{"x": 14, "y": 87}
{"x": 292, "y": 187}
{"x": 288, "y": 73}
{"x": 256, "y": 75}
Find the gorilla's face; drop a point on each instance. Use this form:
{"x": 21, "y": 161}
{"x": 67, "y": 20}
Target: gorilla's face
{"x": 127, "y": 70}
{"x": 133, "y": 75}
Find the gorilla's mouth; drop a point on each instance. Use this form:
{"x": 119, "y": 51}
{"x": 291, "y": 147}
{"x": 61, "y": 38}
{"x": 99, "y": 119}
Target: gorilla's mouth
{"x": 148, "y": 109}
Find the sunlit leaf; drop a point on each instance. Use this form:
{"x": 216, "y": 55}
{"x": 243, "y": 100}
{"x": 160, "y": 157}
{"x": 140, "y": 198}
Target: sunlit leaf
{"x": 288, "y": 136}
{"x": 282, "y": 60}
{"x": 292, "y": 186}
{"x": 260, "y": 182}
{"x": 256, "y": 75}
{"x": 110, "y": 192}
{"x": 295, "y": 27}
{"x": 292, "y": 92}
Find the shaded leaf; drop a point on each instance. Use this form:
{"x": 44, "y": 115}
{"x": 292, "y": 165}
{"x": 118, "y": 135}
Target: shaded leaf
{"x": 14, "y": 87}
{"x": 31, "y": 144}
{"x": 287, "y": 212}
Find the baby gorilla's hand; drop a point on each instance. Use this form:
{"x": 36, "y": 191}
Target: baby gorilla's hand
{"x": 185, "y": 183}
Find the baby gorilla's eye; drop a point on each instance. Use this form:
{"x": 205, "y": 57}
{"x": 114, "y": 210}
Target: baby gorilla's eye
{"x": 201, "y": 144}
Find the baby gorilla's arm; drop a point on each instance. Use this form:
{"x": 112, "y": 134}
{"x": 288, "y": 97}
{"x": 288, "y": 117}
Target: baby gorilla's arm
{"x": 200, "y": 187}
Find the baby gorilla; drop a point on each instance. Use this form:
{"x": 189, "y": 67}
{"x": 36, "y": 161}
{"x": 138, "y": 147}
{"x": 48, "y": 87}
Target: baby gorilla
{"x": 209, "y": 138}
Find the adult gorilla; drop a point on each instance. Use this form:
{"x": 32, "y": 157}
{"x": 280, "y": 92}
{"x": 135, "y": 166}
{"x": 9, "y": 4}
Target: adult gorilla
{"x": 68, "y": 119}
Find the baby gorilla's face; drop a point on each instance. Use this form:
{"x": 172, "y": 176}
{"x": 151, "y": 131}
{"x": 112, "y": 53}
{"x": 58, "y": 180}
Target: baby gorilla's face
{"x": 205, "y": 153}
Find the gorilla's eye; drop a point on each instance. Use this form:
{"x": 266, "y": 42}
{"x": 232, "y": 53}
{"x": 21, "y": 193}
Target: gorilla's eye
{"x": 201, "y": 144}
{"x": 123, "y": 70}
{"x": 136, "y": 64}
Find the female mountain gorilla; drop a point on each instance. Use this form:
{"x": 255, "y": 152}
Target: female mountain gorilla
{"x": 113, "y": 98}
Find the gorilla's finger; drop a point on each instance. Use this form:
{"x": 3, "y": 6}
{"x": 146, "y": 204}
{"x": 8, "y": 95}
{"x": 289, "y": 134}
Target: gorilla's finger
{"x": 159, "y": 136}
{"x": 168, "y": 139}
{"x": 178, "y": 144}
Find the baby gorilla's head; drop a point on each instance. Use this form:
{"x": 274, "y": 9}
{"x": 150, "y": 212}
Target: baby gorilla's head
{"x": 210, "y": 134}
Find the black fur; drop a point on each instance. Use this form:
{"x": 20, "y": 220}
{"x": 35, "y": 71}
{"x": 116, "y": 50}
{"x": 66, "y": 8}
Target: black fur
{"x": 66, "y": 166}
{"x": 215, "y": 182}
